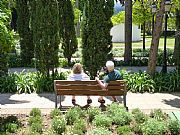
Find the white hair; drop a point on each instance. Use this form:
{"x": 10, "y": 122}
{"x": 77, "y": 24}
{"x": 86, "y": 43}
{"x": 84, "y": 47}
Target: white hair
{"x": 110, "y": 65}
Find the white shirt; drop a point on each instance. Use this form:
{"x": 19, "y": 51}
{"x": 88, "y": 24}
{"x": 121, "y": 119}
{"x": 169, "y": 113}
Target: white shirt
{"x": 75, "y": 77}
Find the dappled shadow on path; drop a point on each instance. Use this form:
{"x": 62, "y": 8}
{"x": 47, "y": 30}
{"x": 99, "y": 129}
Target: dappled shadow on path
{"x": 119, "y": 98}
{"x": 172, "y": 102}
{"x": 51, "y": 96}
{"x": 6, "y": 99}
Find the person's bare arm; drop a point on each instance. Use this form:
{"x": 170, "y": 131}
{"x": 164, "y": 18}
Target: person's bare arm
{"x": 102, "y": 85}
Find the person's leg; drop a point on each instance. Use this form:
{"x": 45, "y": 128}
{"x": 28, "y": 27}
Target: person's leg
{"x": 89, "y": 100}
{"x": 114, "y": 99}
{"x": 101, "y": 100}
{"x": 73, "y": 100}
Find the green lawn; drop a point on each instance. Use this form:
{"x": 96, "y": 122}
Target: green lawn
{"x": 170, "y": 43}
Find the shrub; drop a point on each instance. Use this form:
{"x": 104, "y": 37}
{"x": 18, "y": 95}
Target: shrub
{"x": 11, "y": 127}
{"x": 55, "y": 112}
{"x": 158, "y": 115}
{"x": 9, "y": 124}
{"x": 50, "y": 132}
{"x": 80, "y": 125}
{"x": 8, "y": 83}
{"x": 174, "y": 127}
{"x": 25, "y": 82}
{"x": 140, "y": 82}
{"x": 92, "y": 112}
{"x": 139, "y": 116}
{"x": 74, "y": 114}
{"x": 35, "y": 112}
{"x": 100, "y": 131}
{"x": 119, "y": 114}
{"x": 124, "y": 130}
{"x": 35, "y": 119}
{"x": 32, "y": 133}
{"x": 37, "y": 126}
{"x": 59, "y": 125}
{"x": 102, "y": 120}
{"x": 167, "y": 82}
{"x": 153, "y": 127}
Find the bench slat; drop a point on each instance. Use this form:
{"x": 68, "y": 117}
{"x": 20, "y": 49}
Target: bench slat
{"x": 90, "y": 92}
{"x": 76, "y": 87}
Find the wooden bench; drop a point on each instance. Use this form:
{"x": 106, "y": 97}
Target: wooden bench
{"x": 89, "y": 88}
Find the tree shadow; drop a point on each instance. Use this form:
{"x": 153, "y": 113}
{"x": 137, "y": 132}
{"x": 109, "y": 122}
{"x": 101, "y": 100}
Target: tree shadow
{"x": 119, "y": 98}
{"x": 172, "y": 102}
{"x": 5, "y": 99}
{"x": 51, "y": 96}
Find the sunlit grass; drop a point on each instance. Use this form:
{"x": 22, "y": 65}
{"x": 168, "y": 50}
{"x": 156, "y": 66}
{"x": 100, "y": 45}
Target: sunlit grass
{"x": 169, "y": 42}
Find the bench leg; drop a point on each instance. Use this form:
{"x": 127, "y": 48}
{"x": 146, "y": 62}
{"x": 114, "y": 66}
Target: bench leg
{"x": 55, "y": 100}
{"x": 60, "y": 102}
{"x": 124, "y": 98}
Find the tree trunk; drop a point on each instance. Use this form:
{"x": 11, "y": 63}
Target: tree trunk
{"x": 177, "y": 40}
{"x": 155, "y": 40}
{"x": 144, "y": 35}
{"x": 128, "y": 31}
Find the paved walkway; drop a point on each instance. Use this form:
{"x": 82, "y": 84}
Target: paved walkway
{"x": 23, "y": 103}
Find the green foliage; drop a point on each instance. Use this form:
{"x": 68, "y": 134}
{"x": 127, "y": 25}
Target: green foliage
{"x": 14, "y": 61}
{"x": 32, "y": 133}
{"x": 55, "y": 113}
{"x": 141, "y": 12}
{"x": 35, "y": 112}
{"x": 8, "y": 83}
{"x": 59, "y": 125}
{"x": 28, "y": 82}
{"x": 119, "y": 114}
{"x": 45, "y": 28}
{"x": 139, "y": 116}
{"x": 9, "y": 124}
{"x": 100, "y": 131}
{"x": 174, "y": 127}
{"x": 80, "y": 126}
{"x": 153, "y": 127}
{"x": 118, "y": 18}
{"x": 102, "y": 120}
{"x": 73, "y": 114}
{"x": 25, "y": 82}
{"x": 92, "y": 112}
{"x": 26, "y": 38}
{"x": 96, "y": 39}
{"x": 67, "y": 29}
{"x": 6, "y": 37}
{"x": 140, "y": 82}
{"x": 37, "y": 126}
{"x": 168, "y": 82}
{"x": 50, "y": 132}
{"x": 124, "y": 130}
{"x": 158, "y": 114}
{"x": 35, "y": 119}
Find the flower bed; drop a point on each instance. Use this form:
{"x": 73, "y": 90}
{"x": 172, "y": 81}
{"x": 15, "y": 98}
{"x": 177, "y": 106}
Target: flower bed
{"x": 115, "y": 120}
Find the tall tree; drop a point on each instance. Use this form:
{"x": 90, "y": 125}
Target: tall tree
{"x": 96, "y": 39}
{"x": 141, "y": 15}
{"x": 155, "y": 39}
{"x": 6, "y": 37}
{"x": 45, "y": 28}
{"x": 128, "y": 31}
{"x": 26, "y": 40}
{"x": 67, "y": 29}
{"x": 177, "y": 39}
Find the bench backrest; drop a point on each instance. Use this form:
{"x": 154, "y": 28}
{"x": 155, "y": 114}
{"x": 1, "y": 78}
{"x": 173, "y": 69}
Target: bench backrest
{"x": 91, "y": 87}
